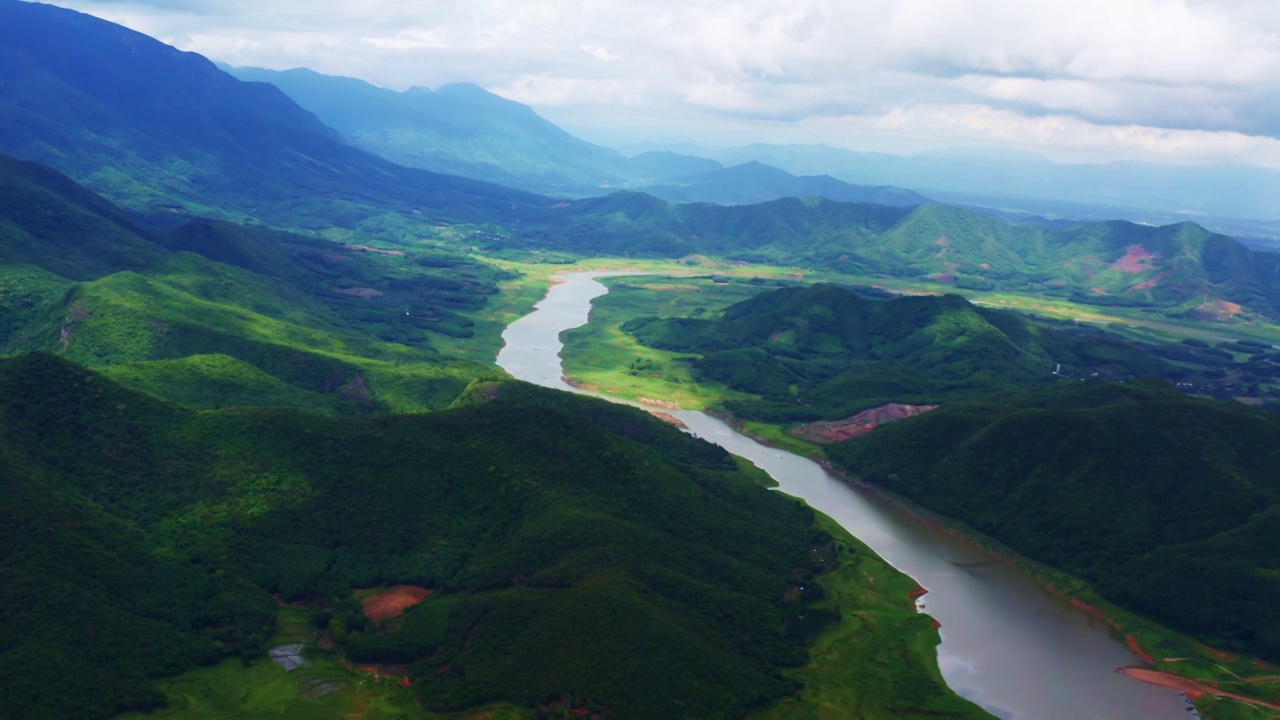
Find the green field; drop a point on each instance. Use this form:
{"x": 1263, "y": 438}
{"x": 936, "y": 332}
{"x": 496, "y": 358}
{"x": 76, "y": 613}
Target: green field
{"x": 880, "y": 661}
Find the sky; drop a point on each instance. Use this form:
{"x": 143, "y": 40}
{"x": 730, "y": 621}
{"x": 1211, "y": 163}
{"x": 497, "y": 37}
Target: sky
{"x": 1190, "y": 81}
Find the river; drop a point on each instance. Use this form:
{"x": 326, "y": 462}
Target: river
{"x": 1007, "y": 644}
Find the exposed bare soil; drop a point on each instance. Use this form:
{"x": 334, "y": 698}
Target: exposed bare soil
{"x": 1136, "y": 259}
{"x": 864, "y": 422}
{"x": 393, "y": 602}
{"x": 1193, "y": 688}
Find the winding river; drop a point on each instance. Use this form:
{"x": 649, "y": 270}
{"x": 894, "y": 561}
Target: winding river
{"x": 1007, "y": 645}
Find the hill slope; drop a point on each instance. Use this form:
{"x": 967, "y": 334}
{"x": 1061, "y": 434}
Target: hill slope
{"x": 166, "y": 131}
{"x": 1182, "y": 268}
{"x": 458, "y": 129}
{"x": 566, "y": 572}
{"x": 238, "y": 315}
{"x": 1169, "y": 505}
{"x": 825, "y": 352}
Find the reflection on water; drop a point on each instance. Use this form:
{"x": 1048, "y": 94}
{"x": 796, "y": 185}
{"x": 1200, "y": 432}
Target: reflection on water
{"x": 1007, "y": 644}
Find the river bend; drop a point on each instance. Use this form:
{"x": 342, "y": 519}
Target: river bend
{"x": 1007, "y": 644}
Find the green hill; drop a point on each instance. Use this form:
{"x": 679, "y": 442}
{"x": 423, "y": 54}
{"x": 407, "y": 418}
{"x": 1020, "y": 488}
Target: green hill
{"x": 1169, "y": 505}
{"x": 1181, "y": 268}
{"x": 147, "y": 538}
{"x": 825, "y": 352}
{"x": 237, "y": 314}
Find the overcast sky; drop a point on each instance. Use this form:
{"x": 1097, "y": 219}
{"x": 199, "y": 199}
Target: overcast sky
{"x": 1178, "y": 80}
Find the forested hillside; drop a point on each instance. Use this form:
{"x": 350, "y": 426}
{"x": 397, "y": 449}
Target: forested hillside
{"x": 216, "y": 314}
{"x": 826, "y": 352}
{"x": 1169, "y": 505}
{"x": 572, "y": 547}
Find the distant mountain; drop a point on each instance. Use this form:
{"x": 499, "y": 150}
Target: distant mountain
{"x": 459, "y": 129}
{"x": 754, "y": 182}
{"x": 664, "y": 165}
{"x": 1011, "y": 179}
{"x": 1182, "y": 268}
{"x": 1168, "y": 505}
{"x": 164, "y": 132}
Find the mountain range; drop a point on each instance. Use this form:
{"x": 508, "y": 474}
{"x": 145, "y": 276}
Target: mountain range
{"x": 245, "y": 151}
{"x": 465, "y": 130}
{"x": 246, "y": 376}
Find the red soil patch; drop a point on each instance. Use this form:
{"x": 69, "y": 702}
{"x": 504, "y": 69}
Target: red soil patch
{"x": 1193, "y": 688}
{"x": 1220, "y": 655}
{"x": 936, "y": 624}
{"x": 1099, "y": 291}
{"x": 1150, "y": 283}
{"x": 1219, "y": 310}
{"x": 391, "y": 603}
{"x": 1135, "y": 260}
{"x": 942, "y": 241}
{"x": 919, "y": 592}
{"x": 668, "y": 418}
{"x": 860, "y": 424}
{"x": 1137, "y": 650}
{"x": 1093, "y": 612}
{"x": 985, "y": 266}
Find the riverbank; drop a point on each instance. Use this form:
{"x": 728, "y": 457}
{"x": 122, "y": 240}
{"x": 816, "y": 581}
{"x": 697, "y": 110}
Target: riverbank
{"x": 1162, "y": 650}
{"x": 1002, "y": 668}
{"x": 880, "y": 660}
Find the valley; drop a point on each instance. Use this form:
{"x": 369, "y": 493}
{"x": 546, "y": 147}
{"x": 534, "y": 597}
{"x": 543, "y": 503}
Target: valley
{"x": 322, "y": 399}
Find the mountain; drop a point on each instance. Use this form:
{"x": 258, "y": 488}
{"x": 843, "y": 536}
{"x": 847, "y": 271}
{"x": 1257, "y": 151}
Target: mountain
{"x": 1168, "y": 505}
{"x": 166, "y": 132}
{"x": 458, "y": 129}
{"x": 652, "y": 166}
{"x": 215, "y": 314}
{"x": 1182, "y": 268}
{"x": 633, "y": 568}
{"x": 754, "y": 182}
{"x": 465, "y": 130}
{"x": 826, "y": 352}
{"x": 1011, "y": 180}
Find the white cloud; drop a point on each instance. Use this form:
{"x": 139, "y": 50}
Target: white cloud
{"x": 1140, "y": 77}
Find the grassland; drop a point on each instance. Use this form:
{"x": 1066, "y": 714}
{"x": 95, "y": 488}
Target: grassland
{"x": 880, "y": 661}
{"x": 264, "y": 689}
{"x": 601, "y": 356}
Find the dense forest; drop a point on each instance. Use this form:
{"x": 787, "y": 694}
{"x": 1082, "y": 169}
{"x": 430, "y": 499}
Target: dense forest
{"x": 573, "y": 546}
{"x": 1169, "y": 505}
{"x": 826, "y": 351}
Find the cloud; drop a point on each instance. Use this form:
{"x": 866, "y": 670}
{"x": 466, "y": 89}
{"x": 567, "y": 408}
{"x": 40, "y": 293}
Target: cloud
{"x": 1098, "y": 67}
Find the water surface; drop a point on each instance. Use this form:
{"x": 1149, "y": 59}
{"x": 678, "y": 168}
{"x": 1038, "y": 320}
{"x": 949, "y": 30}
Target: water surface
{"x": 1007, "y": 644}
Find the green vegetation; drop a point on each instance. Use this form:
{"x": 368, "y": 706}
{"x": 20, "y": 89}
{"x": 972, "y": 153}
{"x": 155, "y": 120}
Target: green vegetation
{"x": 1168, "y": 505}
{"x": 566, "y": 572}
{"x": 600, "y": 354}
{"x": 214, "y": 314}
{"x": 826, "y": 352}
{"x": 880, "y": 660}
